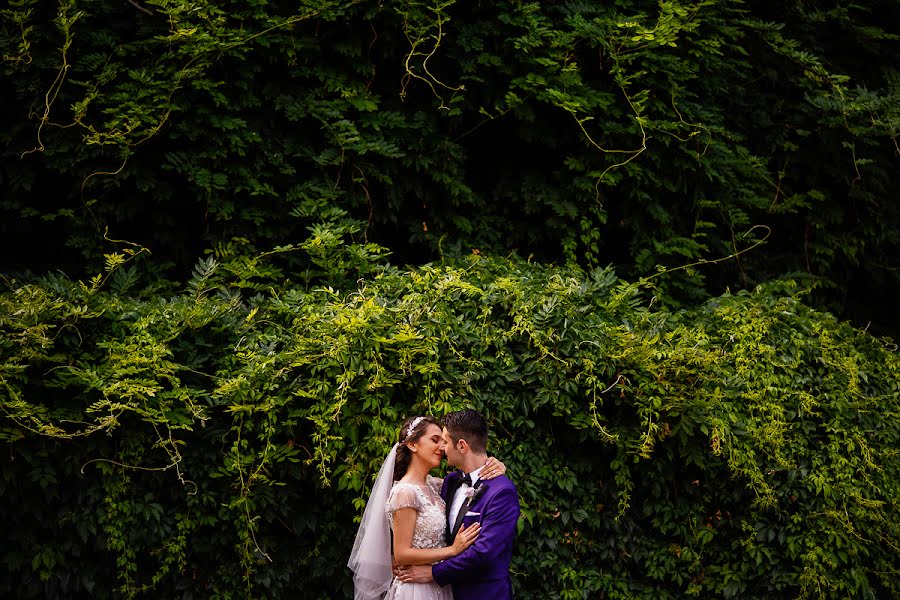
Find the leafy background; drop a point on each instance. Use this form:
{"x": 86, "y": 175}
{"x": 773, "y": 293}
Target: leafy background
{"x": 207, "y": 349}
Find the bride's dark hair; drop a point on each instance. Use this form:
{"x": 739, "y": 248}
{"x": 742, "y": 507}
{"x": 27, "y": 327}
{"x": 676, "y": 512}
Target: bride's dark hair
{"x": 409, "y": 433}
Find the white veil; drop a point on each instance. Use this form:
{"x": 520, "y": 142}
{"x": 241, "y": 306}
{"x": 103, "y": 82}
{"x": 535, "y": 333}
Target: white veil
{"x": 370, "y": 559}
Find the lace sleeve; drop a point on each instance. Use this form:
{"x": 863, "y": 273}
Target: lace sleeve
{"x": 402, "y": 496}
{"x": 435, "y": 483}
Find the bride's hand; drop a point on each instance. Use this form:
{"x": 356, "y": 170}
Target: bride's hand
{"x": 465, "y": 537}
{"x": 492, "y": 468}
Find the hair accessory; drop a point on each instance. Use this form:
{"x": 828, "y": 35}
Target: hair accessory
{"x": 412, "y": 427}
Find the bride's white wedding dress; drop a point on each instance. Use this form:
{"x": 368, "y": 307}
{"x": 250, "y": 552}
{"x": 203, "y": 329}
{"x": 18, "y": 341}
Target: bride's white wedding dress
{"x": 428, "y": 533}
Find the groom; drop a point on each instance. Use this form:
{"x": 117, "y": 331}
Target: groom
{"x": 482, "y": 570}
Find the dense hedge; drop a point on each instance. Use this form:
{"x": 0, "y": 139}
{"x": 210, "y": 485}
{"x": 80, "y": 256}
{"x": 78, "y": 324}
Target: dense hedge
{"x": 215, "y": 440}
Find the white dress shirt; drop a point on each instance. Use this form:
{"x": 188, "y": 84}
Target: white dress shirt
{"x": 459, "y": 497}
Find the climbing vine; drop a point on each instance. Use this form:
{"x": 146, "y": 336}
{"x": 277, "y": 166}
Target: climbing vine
{"x": 644, "y": 135}
{"x": 221, "y": 438}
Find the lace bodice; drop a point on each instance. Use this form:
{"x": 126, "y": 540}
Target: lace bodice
{"x": 427, "y": 501}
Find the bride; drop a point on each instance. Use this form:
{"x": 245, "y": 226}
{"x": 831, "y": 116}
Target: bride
{"x": 406, "y": 500}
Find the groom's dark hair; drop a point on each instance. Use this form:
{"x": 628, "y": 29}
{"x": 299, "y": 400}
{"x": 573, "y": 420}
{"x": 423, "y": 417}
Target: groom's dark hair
{"x": 467, "y": 425}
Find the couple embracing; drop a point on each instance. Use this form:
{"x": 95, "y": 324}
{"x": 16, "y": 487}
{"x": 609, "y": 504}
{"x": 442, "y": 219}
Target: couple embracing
{"x": 420, "y": 534}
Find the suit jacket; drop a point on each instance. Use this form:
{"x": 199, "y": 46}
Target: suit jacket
{"x": 482, "y": 570}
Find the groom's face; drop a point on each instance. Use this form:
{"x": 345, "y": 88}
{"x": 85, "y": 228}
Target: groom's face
{"x": 453, "y": 455}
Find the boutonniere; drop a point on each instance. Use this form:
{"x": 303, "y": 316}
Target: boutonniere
{"x": 473, "y": 492}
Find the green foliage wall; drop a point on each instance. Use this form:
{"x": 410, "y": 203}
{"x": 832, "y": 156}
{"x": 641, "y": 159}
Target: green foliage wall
{"x": 630, "y": 133}
{"x": 215, "y": 440}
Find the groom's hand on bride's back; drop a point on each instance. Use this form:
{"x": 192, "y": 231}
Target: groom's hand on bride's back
{"x": 414, "y": 574}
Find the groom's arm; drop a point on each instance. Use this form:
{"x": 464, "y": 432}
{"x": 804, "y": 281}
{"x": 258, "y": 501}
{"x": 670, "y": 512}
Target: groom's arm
{"x": 498, "y": 528}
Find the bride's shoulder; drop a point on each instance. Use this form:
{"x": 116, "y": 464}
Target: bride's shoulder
{"x": 402, "y": 486}
{"x": 404, "y": 495}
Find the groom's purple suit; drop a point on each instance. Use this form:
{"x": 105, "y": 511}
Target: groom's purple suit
{"x": 481, "y": 571}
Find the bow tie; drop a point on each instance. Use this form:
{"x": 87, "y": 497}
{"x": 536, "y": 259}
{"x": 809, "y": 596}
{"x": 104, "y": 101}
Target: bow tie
{"x": 466, "y": 479}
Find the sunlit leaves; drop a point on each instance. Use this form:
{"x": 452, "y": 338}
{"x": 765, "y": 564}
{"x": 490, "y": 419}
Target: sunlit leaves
{"x": 746, "y": 448}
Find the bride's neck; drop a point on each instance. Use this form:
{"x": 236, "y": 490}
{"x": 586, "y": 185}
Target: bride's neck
{"x": 417, "y": 472}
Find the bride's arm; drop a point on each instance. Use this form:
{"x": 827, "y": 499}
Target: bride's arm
{"x": 492, "y": 468}
{"x": 405, "y": 554}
